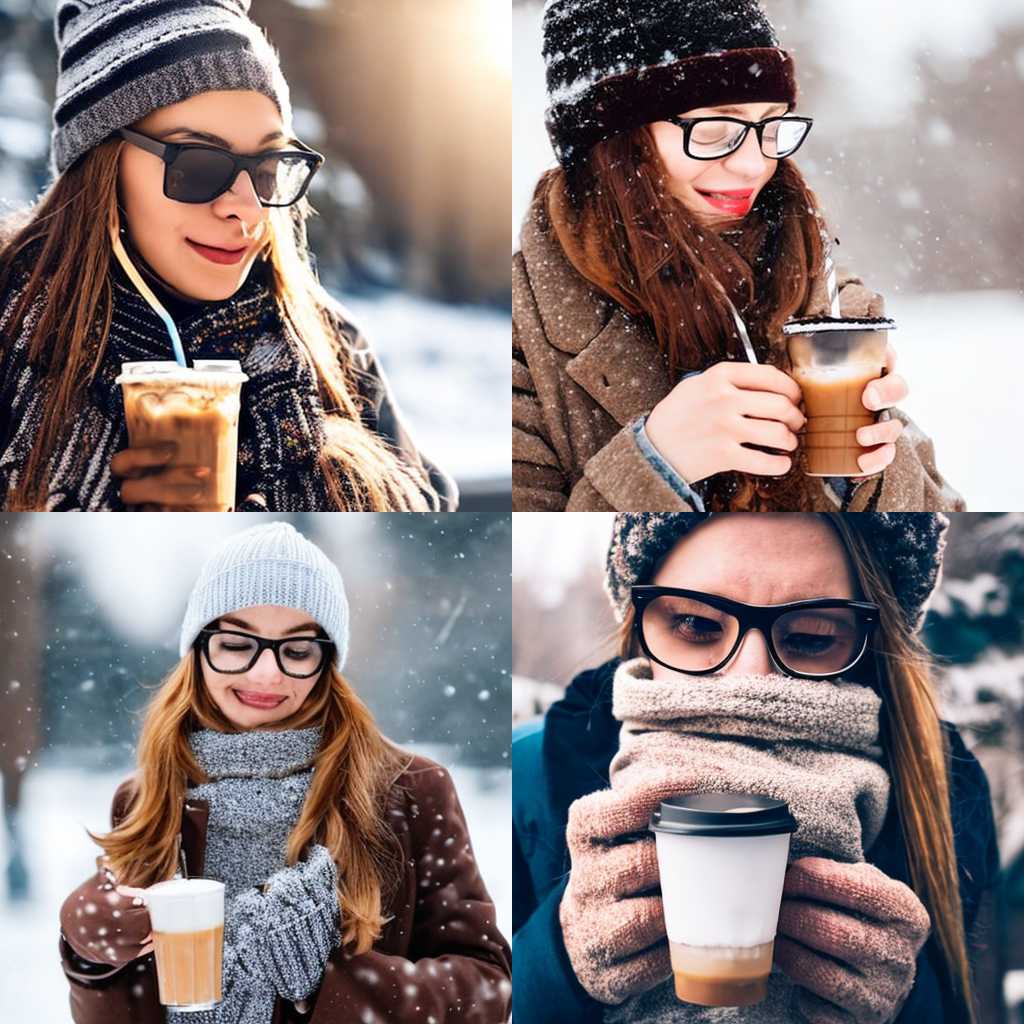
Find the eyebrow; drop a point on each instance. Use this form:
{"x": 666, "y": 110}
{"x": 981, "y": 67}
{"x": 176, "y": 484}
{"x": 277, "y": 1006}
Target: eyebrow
{"x": 738, "y": 110}
{"x": 287, "y": 632}
{"x": 217, "y": 140}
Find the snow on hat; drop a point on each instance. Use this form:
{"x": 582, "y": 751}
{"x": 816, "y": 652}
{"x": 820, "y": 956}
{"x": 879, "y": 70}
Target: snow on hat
{"x": 269, "y": 564}
{"x": 119, "y": 60}
{"x": 909, "y": 544}
{"x": 612, "y": 67}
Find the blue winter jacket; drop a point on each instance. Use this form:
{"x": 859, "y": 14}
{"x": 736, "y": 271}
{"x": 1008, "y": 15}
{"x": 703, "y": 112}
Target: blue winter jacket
{"x": 567, "y": 756}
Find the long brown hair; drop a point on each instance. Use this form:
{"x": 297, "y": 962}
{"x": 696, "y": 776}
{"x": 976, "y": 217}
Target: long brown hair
{"x": 344, "y": 809}
{"x": 66, "y": 277}
{"x": 623, "y": 230}
{"x": 917, "y": 749}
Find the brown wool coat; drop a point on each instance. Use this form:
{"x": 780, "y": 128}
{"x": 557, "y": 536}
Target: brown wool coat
{"x": 440, "y": 957}
{"x": 582, "y": 368}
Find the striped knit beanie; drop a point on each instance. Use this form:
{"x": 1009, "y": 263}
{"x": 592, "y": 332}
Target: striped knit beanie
{"x": 269, "y": 564}
{"x": 119, "y": 60}
{"x": 612, "y": 67}
{"x": 909, "y": 545}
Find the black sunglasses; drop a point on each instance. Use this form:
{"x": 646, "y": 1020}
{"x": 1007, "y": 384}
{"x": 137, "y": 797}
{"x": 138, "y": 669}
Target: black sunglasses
{"x": 697, "y": 633}
{"x": 711, "y": 138}
{"x": 232, "y": 651}
{"x": 195, "y": 172}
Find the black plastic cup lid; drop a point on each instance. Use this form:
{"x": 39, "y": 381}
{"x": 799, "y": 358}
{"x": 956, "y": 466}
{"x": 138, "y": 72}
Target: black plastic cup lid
{"x": 723, "y": 814}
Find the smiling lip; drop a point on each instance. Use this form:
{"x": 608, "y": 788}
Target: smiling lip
{"x": 217, "y": 255}
{"x": 258, "y": 700}
{"x": 735, "y": 201}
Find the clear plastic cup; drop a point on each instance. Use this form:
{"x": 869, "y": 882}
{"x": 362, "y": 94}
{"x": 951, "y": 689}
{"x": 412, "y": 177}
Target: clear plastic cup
{"x": 722, "y": 860}
{"x": 197, "y": 408}
{"x": 187, "y": 916}
{"x": 833, "y": 359}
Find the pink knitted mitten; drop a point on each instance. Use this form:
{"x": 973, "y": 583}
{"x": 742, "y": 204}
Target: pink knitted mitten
{"x": 871, "y": 928}
{"x": 611, "y": 912}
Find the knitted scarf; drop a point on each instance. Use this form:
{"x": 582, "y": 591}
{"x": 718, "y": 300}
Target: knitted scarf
{"x": 281, "y": 428}
{"x": 813, "y": 744}
{"x": 258, "y": 783}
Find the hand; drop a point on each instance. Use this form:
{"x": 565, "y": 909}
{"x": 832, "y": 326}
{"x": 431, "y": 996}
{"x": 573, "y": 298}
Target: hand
{"x": 848, "y": 937}
{"x": 707, "y": 422}
{"x": 154, "y": 486}
{"x": 881, "y": 394}
{"x": 611, "y": 912}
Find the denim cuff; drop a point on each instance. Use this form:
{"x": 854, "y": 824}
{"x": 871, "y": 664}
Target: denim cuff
{"x": 664, "y": 469}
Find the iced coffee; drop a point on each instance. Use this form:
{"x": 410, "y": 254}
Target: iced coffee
{"x": 722, "y": 863}
{"x": 197, "y": 408}
{"x": 833, "y": 359}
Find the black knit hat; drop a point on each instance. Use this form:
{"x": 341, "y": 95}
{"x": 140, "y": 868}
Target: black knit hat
{"x": 613, "y": 65}
{"x": 909, "y": 544}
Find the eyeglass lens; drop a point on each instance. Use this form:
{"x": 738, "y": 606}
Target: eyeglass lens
{"x": 230, "y": 652}
{"x": 709, "y": 139}
{"x": 200, "y": 175}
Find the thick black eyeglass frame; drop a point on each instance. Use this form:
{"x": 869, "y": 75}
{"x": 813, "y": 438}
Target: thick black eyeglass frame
{"x": 262, "y": 643}
{"x": 169, "y": 152}
{"x": 687, "y": 123}
{"x": 762, "y": 617}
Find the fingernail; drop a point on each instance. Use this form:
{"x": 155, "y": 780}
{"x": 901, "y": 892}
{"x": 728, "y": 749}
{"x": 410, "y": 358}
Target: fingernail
{"x": 203, "y": 471}
{"x": 872, "y": 398}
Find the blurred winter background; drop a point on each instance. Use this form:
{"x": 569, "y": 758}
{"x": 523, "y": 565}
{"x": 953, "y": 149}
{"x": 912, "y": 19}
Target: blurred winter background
{"x": 918, "y": 159}
{"x": 410, "y": 103}
{"x": 90, "y": 609}
{"x": 975, "y": 626}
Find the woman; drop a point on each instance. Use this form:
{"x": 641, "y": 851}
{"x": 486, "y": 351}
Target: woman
{"x": 178, "y": 209}
{"x": 910, "y": 824}
{"x": 263, "y": 766}
{"x": 665, "y": 234}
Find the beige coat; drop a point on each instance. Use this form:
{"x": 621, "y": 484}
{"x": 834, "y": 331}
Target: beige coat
{"x": 582, "y": 368}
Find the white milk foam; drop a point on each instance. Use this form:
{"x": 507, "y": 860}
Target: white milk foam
{"x": 186, "y": 905}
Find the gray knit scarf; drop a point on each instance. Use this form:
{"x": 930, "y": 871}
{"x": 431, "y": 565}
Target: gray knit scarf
{"x": 811, "y": 743}
{"x": 258, "y": 783}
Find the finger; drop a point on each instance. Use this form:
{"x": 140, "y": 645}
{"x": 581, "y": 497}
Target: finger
{"x": 134, "y": 462}
{"x": 610, "y": 813}
{"x": 767, "y": 405}
{"x": 815, "y": 1010}
{"x": 638, "y": 974}
{"x": 130, "y": 890}
{"x": 629, "y": 926}
{"x": 861, "y": 887}
{"x": 883, "y": 432}
{"x": 885, "y": 392}
{"x": 877, "y": 460}
{"x": 818, "y": 974}
{"x": 622, "y": 871}
{"x": 890, "y": 358}
{"x": 171, "y": 488}
{"x": 761, "y": 377}
{"x": 748, "y": 460}
{"x": 768, "y": 433}
{"x": 837, "y": 933}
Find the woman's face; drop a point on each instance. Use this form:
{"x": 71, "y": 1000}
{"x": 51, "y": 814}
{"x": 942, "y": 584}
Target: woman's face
{"x": 758, "y": 558}
{"x": 166, "y": 232}
{"x": 743, "y": 172}
{"x": 265, "y": 679}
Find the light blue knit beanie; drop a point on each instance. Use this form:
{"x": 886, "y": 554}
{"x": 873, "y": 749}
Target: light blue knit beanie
{"x": 269, "y": 564}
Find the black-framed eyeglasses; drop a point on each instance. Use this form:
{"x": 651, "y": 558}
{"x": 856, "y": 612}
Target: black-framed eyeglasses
{"x": 196, "y": 172}
{"x": 698, "y": 633}
{"x": 711, "y": 138}
{"x": 232, "y": 651}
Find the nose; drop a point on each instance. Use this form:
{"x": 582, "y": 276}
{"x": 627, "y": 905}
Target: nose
{"x": 748, "y": 161}
{"x": 752, "y": 658}
{"x": 265, "y": 670}
{"x": 242, "y": 200}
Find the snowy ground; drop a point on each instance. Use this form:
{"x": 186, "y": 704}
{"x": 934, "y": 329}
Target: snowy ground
{"x": 449, "y": 367}
{"x": 63, "y": 800}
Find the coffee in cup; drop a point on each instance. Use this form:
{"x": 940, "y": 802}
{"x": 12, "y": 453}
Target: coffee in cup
{"x": 833, "y": 359}
{"x": 187, "y": 916}
{"x": 722, "y": 860}
{"x": 196, "y": 407}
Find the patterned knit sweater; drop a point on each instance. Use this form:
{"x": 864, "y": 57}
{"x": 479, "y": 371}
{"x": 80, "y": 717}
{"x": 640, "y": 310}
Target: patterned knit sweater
{"x": 281, "y": 430}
